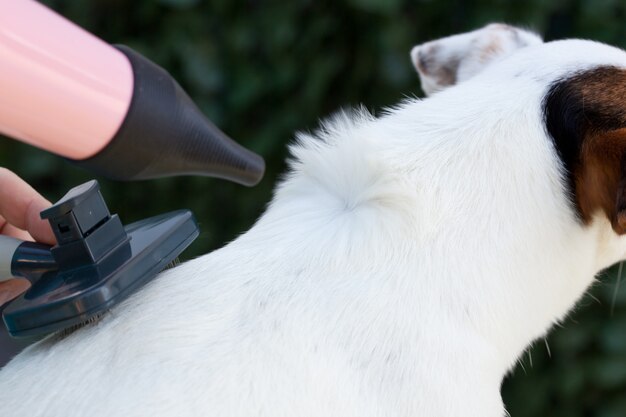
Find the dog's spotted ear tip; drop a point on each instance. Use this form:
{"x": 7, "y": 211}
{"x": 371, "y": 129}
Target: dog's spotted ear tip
{"x": 444, "y": 62}
{"x": 435, "y": 69}
{"x": 423, "y": 58}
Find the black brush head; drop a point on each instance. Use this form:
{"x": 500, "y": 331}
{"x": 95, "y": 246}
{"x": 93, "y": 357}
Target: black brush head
{"x": 97, "y": 262}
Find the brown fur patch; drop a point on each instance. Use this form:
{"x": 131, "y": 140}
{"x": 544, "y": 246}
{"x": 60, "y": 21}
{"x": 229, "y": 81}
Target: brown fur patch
{"x": 586, "y": 116}
{"x": 600, "y": 179}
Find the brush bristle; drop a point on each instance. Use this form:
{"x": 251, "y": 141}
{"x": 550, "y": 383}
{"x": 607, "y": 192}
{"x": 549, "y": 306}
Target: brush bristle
{"x": 96, "y": 317}
{"x": 89, "y": 322}
{"x": 172, "y": 264}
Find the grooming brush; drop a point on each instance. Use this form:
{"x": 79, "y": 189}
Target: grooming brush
{"x": 96, "y": 263}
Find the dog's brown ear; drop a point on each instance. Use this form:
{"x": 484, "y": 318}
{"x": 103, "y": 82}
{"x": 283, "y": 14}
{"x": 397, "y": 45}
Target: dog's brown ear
{"x": 600, "y": 181}
{"x": 620, "y": 201}
{"x": 586, "y": 117}
{"x": 448, "y": 61}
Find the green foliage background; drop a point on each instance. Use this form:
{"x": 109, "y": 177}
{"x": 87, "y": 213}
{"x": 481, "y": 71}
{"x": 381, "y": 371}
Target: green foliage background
{"x": 264, "y": 69}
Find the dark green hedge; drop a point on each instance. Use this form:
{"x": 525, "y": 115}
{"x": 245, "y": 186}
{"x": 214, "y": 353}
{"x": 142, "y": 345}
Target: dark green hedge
{"x": 264, "y": 69}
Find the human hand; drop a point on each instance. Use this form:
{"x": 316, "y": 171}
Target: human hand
{"x": 20, "y": 206}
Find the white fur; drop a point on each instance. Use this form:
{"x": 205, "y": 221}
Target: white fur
{"x": 401, "y": 269}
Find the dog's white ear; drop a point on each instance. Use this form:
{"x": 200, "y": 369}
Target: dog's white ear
{"x": 451, "y": 60}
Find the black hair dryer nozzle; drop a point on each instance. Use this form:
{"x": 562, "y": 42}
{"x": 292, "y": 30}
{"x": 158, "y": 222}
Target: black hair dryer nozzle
{"x": 165, "y": 134}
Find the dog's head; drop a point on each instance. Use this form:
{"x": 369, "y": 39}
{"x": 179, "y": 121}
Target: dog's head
{"x": 581, "y": 99}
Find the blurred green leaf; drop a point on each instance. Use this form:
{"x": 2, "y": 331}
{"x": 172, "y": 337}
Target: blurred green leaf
{"x": 386, "y": 6}
{"x": 607, "y": 371}
{"x": 179, "y": 3}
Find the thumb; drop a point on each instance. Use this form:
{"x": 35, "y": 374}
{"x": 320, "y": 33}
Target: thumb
{"x": 20, "y": 206}
{"x": 39, "y": 229}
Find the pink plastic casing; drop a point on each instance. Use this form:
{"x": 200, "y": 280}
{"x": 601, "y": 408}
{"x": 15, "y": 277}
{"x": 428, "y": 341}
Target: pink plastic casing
{"x": 61, "y": 88}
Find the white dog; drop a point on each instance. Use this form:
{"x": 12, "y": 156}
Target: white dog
{"x": 402, "y": 268}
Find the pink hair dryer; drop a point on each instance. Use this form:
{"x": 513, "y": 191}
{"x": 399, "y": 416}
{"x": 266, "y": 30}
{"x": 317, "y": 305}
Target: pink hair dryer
{"x": 108, "y": 109}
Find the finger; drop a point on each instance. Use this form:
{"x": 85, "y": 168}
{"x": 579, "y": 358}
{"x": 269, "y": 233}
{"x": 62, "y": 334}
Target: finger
{"x": 10, "y": 230}
{"x": 12, "y": 288}
{"x": 20, "y": 205}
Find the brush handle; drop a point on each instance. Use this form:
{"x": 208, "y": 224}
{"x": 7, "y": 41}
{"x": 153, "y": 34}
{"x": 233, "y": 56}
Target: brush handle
{"x": 19, "y": 258}
{"x": 8, "y": 246}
